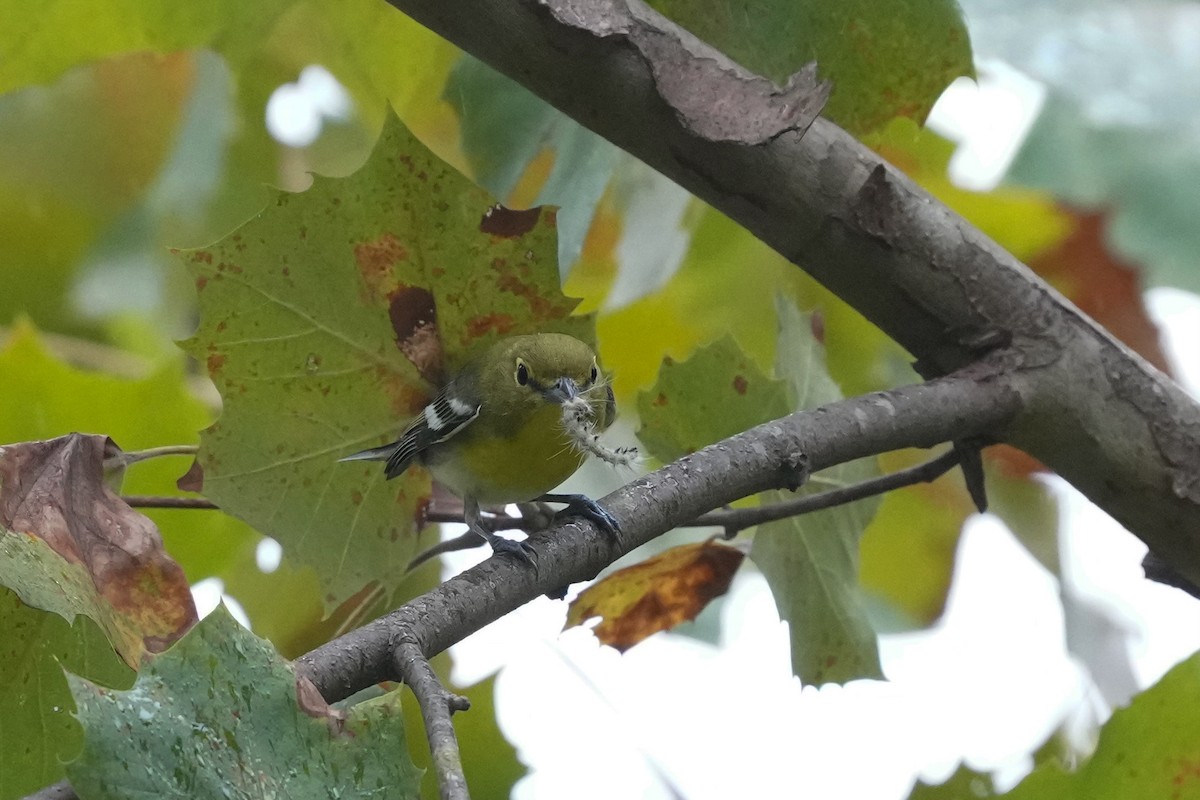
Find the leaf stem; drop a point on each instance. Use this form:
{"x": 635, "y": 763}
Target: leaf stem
{"x": 150, "y": 501}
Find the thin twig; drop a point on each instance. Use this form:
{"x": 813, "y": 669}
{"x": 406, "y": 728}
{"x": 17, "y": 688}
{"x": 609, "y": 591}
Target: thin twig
{"x": 134, "y": 456}
{"x": 150, "y": 501}
{"x": 733, "y": 520}
{"x": 437, "y": 704}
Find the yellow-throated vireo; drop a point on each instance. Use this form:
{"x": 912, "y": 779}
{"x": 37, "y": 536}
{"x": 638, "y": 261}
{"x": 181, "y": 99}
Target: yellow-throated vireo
{"x": 498, "y": 432}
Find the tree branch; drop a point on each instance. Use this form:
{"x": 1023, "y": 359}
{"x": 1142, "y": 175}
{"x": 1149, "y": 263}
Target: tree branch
{"x": 151, "y": 501}
{"x": 975, "y": 402}
{"x": 437, "y": 705}
{"x": 733, "y": 520}
{"x": 980, "y": 401}
{"x": 1096, "y": 413}
{"x": 736, "y": 520}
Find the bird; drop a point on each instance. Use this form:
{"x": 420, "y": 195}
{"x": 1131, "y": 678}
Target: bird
{"x": 515, "y": 421}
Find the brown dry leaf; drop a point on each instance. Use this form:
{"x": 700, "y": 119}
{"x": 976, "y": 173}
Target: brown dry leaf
{"x": 658, "y": 593}
{"x": 69, "y": 545}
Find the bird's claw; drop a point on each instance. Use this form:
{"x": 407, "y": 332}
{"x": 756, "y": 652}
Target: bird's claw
{"x": 522, "y": 551}
{"x": 582, "y": 506}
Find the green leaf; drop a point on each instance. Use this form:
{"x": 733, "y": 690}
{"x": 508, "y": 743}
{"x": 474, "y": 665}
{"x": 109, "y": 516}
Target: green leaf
{"x": 811, "y": 561}
{"x": 151, "y": 134}
{"x": 505, "y": 127}
{"x": 222, "y": 715}
{"x": 1118, "y": 128}
{"x": 37, "y": 732}
{"x": 45, "y": 397}
{"x": 1146, "y": 751}
{"x": 716, "y": 393}
{"x": 964, "y": 784}
{"x": 328, "y": 320}
{"x": 885, "y": 59}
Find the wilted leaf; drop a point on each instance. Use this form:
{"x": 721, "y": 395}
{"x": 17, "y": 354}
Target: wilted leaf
{"x": 657, "y": 594}
{"x": 1147, "y": 751}
{"x": 326, "y": 323}
{"x": 37, "y": 732}
{"x": 45, "y": 397}
{"x": 71, "y": 546}
{"x": 222, "y": 715}
{"x": 885, "y": 59}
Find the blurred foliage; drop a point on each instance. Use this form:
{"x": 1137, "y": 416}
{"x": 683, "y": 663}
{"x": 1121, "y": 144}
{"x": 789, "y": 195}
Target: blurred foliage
{"x": 885, "y": 58}
{"x": 127, "y": 130}
{"x": 1120, "y": 127}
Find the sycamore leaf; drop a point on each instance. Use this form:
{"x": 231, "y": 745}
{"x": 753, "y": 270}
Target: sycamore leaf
{"x": 71, "y": 546}
{"x": 37, "y": 732}
{"x": 964, "y": 784}
{"x": 716, "y": 393}
{"x": 327, "y": 322}
{"x": 1146, "y": 751}
{"x": 885, "y": 59}
{"x": 656, "y": 594}
{"x": 810, "y": 562}
{"x": 242, "y": 726}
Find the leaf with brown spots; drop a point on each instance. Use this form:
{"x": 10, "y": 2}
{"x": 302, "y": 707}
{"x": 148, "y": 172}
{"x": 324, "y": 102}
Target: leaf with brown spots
{"x": 329, "y": 320}
{"x": 657, "y": 594}
{"x": 70, "y": 546}
{"x": 810, "y": 562}
{"x": 1147, "y": 751}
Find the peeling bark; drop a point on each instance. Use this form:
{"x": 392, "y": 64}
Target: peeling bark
{"x": 1098, "y": 414}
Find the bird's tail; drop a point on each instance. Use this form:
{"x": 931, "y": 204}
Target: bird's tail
{"x": 382, "y": 453}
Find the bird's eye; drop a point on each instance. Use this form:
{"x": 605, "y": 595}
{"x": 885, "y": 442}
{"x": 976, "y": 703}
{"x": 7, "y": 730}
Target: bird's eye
{"x": 595, "y": 372}
{"x": 522, "y": 373}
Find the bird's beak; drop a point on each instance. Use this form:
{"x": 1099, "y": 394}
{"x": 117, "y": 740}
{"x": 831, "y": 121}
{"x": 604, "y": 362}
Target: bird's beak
{"x": 564, "y": 389}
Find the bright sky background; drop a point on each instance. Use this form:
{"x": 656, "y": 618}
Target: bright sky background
{"x": 986, "y": 685}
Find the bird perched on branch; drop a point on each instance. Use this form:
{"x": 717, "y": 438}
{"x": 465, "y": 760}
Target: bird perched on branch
{"x": 516, "y": 421}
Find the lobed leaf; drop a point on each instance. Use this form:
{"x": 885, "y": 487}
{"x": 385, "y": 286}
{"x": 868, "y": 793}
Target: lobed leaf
{"x": 326, "y": 323}
{"x": 810, "y": 562}
{"x": 37, "y": 732}
{"x": 222, "y": 715}
{"x": 1146, "y": 751}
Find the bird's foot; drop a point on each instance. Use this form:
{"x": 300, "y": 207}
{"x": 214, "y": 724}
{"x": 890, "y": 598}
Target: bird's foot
{"x": 579, "y": 505}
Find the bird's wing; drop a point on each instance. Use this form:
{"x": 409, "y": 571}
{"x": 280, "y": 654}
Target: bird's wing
{"x": 446, "y": 415}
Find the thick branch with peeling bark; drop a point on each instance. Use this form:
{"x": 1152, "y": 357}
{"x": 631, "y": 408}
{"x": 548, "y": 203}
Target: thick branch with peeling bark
{"x": 979, "y": 401}
{"x": 975, "y": 402}
{"x": 1099, "y": 415}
